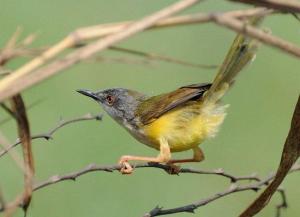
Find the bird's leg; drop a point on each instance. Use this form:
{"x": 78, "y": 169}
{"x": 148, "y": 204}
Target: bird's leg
{"x": 197, "y": 157}
{"x": 164, "y": 156}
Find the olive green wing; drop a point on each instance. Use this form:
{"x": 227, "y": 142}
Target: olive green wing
{"x": 156, "y": 106}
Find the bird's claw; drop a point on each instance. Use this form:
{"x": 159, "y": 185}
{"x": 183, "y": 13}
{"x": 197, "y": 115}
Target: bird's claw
{"x": 173, "y": 169}
{"x": 126, "y": 168}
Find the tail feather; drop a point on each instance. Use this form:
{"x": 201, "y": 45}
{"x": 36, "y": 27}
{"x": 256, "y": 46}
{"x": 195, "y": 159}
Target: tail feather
{"x": 241, "y": 52}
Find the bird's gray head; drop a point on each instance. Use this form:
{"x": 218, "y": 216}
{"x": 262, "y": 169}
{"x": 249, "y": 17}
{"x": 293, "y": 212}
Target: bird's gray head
{"x": 119, "y": 103}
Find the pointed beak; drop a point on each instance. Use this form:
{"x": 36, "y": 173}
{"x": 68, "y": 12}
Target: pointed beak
{"x": 89, "y": 94}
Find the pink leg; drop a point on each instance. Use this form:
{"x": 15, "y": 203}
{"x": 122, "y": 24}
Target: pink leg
{"x": 197, "y": 157}
{"x": 163, "y": 157}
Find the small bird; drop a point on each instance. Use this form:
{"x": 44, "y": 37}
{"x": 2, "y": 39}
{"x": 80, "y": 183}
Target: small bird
{"x": 179, "y": 120}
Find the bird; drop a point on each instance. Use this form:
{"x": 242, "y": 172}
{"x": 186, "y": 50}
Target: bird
{"x": 179, "y": 120}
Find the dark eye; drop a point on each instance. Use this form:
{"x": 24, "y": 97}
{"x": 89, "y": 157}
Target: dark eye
{"x": 110, "y": 99}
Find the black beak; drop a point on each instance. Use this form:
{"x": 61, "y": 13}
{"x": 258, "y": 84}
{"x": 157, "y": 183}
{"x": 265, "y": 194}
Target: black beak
{"x": 89, "y": 94}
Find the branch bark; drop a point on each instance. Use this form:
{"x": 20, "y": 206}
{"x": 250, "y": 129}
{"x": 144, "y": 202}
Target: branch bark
{"x": 260, "y": 35}
{"x": 6, "y": 88}
{"x": 281, "y": 5}
{"x": 18, "y": 108}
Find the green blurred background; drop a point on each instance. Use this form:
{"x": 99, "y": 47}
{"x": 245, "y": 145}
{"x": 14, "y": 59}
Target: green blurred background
{"x": 250, "y": 140}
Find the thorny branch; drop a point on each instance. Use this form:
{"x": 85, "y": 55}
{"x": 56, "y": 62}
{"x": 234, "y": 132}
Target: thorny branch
{"x": 110, "y": 168}
{"x": 232, "y": 189}
{"x": 158, "y": 211}
{"x": 256, "y": 184}
{"x": 49, "y": 134}
{"x": 283, "y": 204}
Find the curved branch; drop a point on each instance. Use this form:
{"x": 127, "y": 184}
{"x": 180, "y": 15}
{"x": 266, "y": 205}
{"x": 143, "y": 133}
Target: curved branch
{"x": 110, "y": 168}
{"x": 232, "y": 189}
{"x": 48, "y": 135}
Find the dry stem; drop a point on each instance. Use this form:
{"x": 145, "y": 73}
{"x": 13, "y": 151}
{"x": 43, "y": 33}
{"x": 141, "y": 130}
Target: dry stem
{"x": 291, "y": 6}
{"x": 82, "y": 53}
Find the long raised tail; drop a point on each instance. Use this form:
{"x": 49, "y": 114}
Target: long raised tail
{"x": 241, "y": 52}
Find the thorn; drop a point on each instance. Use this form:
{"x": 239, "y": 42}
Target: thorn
{"x": 233, "y": 187}
{"x": 99, "y": 117}
{"x": 191, "y": 208}
{"x": 155, "y": 211}
{"x": 48, "y": 137}
{"x": 254, "y": 174}
{"x": 109, "y": 170}
{"x": 55, "y": 178}
{"x": 219, "y": 170}
{"x": 256, "y": 189}
{"x": 233, "y": 180}
{"x": 91, "y": 166}
{"x": 296, "y": 16}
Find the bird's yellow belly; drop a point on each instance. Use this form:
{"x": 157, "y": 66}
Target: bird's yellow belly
{"x": 185, "y": 127}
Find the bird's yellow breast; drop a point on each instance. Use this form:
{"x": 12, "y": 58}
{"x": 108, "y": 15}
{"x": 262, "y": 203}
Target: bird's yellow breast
{"x": 185, "y": 127}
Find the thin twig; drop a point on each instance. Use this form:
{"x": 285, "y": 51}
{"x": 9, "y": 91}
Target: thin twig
{"x": 92, "y": 32}
{"x": 283, "y": 204}
{"x": 7, "y": 88}
{"x": 85, "y": 52}
{"x": 157, "y": 211}
{"x": 2, "y": 201}
{"x": 88, "y": 33}
{"x": 154, "y": 56}
{"x": 239, "y": 26}
{"x": 7, "y": 109}
{"x": 29, "y": 52}
{"x": 33, "y": 104}
{"x": 5, "y": 54}
{"x": 110, "y": 168}
{"x": 121, "y": 60}
{"x": 48, "y": 135}
{"x": 281, "y": 5}
{"x": 234, "y": 188}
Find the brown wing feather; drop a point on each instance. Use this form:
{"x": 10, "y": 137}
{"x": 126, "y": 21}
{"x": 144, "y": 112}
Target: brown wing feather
{"x": 156, "y": 106}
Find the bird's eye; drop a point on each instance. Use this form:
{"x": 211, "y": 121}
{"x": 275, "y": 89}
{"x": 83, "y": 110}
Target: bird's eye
{"x": 110, "y": 99}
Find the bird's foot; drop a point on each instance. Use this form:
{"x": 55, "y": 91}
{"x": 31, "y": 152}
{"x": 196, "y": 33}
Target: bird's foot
{"x": 173, "y": 169}
{"x": 126, "y": 168}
